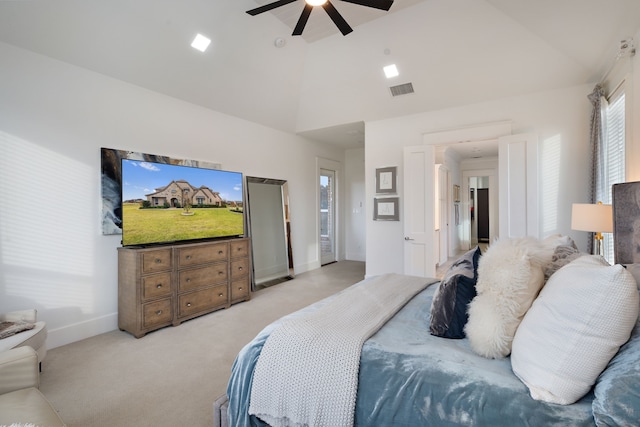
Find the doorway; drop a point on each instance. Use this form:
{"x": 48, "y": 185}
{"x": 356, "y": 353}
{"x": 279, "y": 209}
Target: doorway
{"x": 482, "y": 225}
{"x": 479, "y": 207}
{"x": 327, "y": 217}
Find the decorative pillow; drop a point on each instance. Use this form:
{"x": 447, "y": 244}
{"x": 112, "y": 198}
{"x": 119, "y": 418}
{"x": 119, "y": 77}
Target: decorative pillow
{"x": 617, "y": 391}
{"x": 583, "y": 315}
{"x": 634, "y": 269}
{"x": 509, "y": 278}
{"x": 559, "y": 239}
{"x": 562, "y": 255}
{"x": 455, "y": 292}
{"x": 8, "y": 329}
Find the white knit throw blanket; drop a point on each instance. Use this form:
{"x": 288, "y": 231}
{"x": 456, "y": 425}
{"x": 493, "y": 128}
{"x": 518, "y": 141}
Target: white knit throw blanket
{"x": 307, "y": 372}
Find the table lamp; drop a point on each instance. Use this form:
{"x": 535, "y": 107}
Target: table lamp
{"x": 596, "y": 218}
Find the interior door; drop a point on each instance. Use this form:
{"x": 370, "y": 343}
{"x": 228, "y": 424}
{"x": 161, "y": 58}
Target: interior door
{"x": 418, "y": 216}
{"x": 518, "y": 171}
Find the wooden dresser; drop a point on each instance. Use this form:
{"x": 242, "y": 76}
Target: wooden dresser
{"x": 165, "y": 285}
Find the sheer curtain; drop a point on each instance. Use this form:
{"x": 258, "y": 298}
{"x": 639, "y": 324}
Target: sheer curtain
{"x": 596, "y": 141}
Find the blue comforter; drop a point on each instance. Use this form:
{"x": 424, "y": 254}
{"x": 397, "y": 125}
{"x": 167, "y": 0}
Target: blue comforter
{"x": 408, "y": 378}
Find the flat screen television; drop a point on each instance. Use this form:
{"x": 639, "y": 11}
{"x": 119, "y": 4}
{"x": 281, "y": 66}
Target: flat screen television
{"x": 166, "y": 203}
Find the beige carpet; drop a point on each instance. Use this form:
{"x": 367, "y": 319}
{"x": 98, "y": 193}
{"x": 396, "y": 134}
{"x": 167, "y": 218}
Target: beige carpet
{"x": 172, "y": 376}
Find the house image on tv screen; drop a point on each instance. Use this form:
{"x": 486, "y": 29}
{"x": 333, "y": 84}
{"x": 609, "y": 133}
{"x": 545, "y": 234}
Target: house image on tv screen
{"x": 180, "y": 193}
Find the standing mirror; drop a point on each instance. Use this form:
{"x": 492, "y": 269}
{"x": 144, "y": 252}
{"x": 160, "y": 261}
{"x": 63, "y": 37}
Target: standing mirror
{"x": 269, "y": 229}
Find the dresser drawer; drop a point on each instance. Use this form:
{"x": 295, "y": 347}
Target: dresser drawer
{"x": 156, "y": 286}
{"x": 240, "y": 289}
{"x": 157, "y": 313}
{"x": 155, "y": 261}
{"x": 196, "y": 255}
{"x": 239, "y": 248}
{"x": 202, "y": 300}
{"x": 159, "y": 286}
{"x": 239, "y": 268}
{"x": 194, "y": 278}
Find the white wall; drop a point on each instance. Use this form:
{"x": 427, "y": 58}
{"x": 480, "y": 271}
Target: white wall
{"x": 356, "y": 213}
{"x": 560, "y": 119}
{"x": 53, "y": 120}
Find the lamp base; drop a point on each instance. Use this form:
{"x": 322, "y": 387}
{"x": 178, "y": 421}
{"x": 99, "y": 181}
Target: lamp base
{"x": 598, "y": 246}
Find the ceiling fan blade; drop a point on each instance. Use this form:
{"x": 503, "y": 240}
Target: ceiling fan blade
{"x": 304, "y": 17}
{"x": 377, "y": 4}
{"x": 337, "y": 18}
{"x": 268, "y": 7}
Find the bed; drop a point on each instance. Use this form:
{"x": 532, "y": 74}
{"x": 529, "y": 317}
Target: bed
{"x": 407, "y": 376}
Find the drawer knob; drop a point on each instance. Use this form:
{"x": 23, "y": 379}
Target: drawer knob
{"x": 240, "y": 268}
{"x": 220, "y": 294}
{"x": 188, "y": 256}
{"x": 188, "y": 304}
{"x": 220, "y": 252}
{"x": 188, "y": 279}
{"x": 220, "y": 272}
{"x": 159, "y": 285}
{"x": 240, "y": 288}
{"x": 157, "y": 260}
{"x": 159, "y": 312}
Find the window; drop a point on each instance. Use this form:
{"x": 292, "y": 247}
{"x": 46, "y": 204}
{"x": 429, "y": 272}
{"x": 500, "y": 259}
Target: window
{"x": 613, "y": 158}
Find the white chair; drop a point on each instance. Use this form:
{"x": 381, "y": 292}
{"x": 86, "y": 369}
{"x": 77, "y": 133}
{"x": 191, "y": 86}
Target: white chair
{"x": 35, "y": 338}
{"x": 21, "y": 401}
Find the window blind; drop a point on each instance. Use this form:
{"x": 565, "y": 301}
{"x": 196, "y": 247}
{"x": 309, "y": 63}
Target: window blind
{"x": 613, "y": 161}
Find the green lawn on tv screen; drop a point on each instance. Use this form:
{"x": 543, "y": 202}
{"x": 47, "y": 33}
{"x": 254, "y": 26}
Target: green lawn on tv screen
{"x": 142, "y": 226}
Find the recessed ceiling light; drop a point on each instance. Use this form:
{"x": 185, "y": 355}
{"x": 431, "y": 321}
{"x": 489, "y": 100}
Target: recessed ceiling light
{"x": 316, "y": 2}
{"x": 200, "y": 42}
{"x": 391, "y": 71}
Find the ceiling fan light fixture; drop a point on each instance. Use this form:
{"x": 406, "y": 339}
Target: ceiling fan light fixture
{"x": 333, "y": 13}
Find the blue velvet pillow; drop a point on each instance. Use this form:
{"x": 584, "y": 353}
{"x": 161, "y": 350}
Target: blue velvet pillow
{"x": 617, "y": 390}
{"x": 455, "y": 292}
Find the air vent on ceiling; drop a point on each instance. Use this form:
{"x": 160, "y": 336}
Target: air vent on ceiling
{"x": 403, "y": 89}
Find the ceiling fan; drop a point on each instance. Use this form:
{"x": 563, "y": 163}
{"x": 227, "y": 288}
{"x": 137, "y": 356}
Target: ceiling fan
{"x": 327, "y": 6}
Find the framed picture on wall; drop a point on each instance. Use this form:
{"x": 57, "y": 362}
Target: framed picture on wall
{"x": 386, "y": 209}
{"x": 386, "y": 180}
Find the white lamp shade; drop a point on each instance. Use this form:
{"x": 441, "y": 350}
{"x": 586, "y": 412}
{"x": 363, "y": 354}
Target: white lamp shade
{"x": 591, "y": 217}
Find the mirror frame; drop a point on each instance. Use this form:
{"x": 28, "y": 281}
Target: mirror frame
{"x": 286, "y": 225}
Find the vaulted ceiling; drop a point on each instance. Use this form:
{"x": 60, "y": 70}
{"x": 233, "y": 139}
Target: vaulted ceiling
{"x": 324, "y": 85}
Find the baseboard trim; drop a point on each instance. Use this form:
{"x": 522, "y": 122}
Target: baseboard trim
{"x": 303, "y": 268}
{"x": 356, "y": 256}
{"x": 82, "y": 330}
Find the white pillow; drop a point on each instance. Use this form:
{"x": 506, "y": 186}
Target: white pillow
{"x": 634, "y": 269}
{"x": 582, "y": 316}
{"x": 510, "y": 276}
